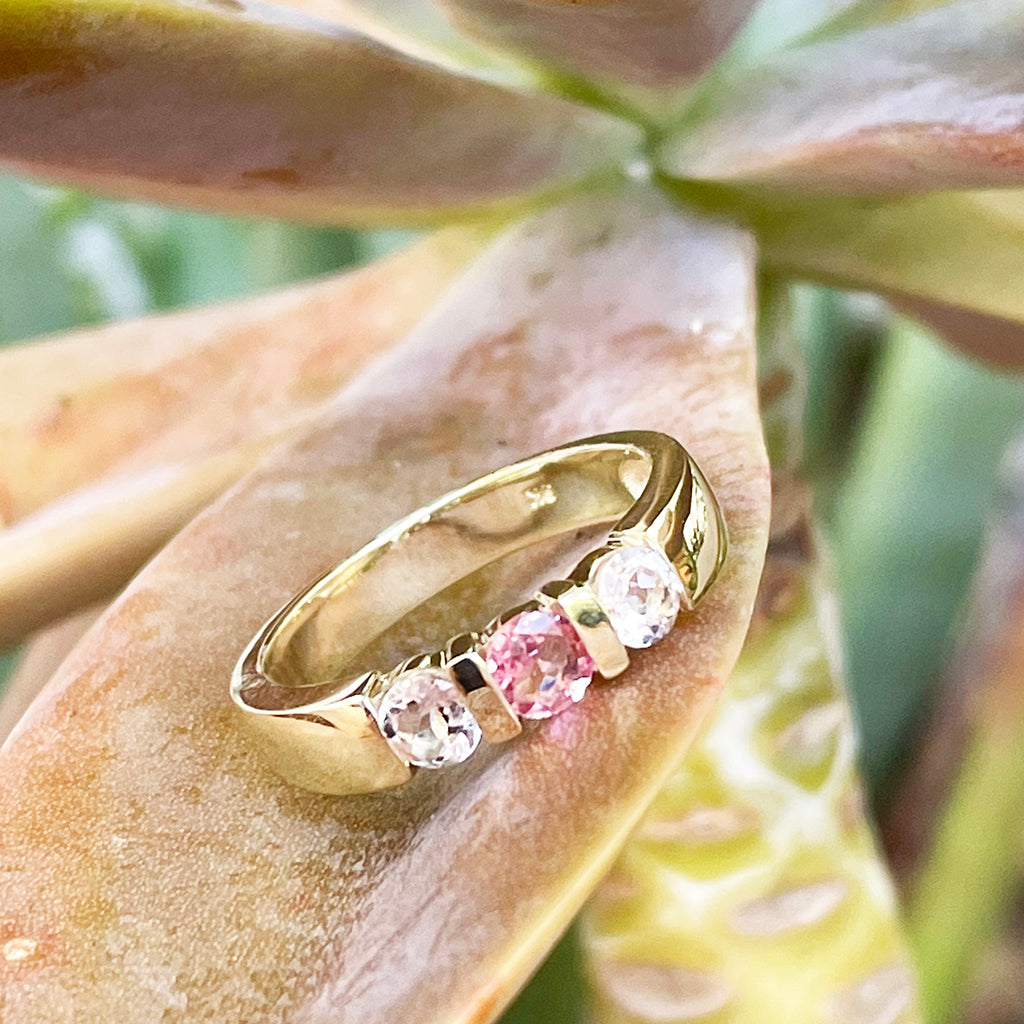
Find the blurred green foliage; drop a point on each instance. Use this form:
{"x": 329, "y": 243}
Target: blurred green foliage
{"x": 70, "y": 260}
{"x": 904, "y": 441}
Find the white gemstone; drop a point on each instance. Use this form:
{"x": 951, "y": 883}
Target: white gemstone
{"x": 639, "y": 589}
{"x": 426, "y": 721}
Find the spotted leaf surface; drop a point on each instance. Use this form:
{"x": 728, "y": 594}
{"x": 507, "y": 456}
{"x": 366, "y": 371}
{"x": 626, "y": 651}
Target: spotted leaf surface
{"x": 752, "y": 889}
{"x": 186, "y": 880}
{"x": 931, "y": 101}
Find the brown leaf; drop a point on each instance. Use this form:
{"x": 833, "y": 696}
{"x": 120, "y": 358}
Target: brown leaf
{"x": 184, "y": 880}
{"x": 653, "y": 43}
{"x": 112, "y": 439}
{"x": 258, "y": 109}
{"x": 927, "y": 102}
{"x": 991, "y": 339}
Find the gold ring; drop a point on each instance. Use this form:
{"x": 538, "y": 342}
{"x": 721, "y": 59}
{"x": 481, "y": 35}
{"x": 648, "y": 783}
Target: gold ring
{"x": 330, "y": 720}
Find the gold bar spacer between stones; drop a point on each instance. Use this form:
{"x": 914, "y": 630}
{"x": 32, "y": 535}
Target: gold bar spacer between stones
{"x": 468, "y": 669}
{"x": 580, "y": 605}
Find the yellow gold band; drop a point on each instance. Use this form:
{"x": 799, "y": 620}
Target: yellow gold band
{"x": 331, "y": 719}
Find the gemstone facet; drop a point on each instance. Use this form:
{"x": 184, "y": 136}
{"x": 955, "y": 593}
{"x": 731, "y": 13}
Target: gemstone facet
{"x": 426, "y": 721}
{"x": 639, "y": 589}
{"x": 539, "y": 662}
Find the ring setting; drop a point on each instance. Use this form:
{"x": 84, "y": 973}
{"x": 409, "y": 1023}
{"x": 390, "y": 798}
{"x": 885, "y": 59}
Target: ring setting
{"x": 371, "y": 730}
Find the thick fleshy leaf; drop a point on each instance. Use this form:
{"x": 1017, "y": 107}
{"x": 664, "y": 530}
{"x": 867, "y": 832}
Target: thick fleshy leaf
{"x": 753, "y": 890}
{"x": 756, "y": 860}
{"x": 416, "y": 27}
{"x": 655, "y": 43}
{"x": 159, "y": 389}
{"x": 184, "y": 877}
{"x": 253, "y": 108}
{"x": 953, "y": 248}
{"x": 935, "y": 101}
{"x": 111, "y": 440}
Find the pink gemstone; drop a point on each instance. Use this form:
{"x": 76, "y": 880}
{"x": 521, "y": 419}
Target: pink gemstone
{"x": 540, "y": 663}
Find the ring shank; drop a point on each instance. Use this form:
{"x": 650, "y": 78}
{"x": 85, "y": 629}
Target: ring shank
{"x": 302, "y": 675}
{"x": 394, "y": 575}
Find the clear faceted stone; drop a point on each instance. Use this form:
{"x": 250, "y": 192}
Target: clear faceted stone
{"x": 640, "y": 590}
{"x": 426, "y": 721}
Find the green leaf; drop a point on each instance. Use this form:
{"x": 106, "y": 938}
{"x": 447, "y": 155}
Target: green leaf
{"x": 908, "y": 524}
{"x": 257, "y": 109}
{"x": 184, "y": 872}
{"x": 959, "y": 812}
{"x": 38, "y": 291}
{"x": 753, "y": 890}
{"x": 933, "y": 101}
{"x": 960, "y": 249}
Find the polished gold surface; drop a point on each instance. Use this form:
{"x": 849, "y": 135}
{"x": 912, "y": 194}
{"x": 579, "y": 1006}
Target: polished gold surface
{"x": 577, "y": 600}
{"x": 308, "y": 679}
{"x": 498, "y": 722}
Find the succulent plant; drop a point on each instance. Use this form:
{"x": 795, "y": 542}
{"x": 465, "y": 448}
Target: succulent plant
{"x": 616, "y": 180}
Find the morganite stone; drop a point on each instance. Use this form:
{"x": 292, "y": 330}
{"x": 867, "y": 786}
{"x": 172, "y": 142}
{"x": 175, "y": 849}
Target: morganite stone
{"x": 426, "y": 721}
{"x": 639, "y": 589}
{"x": 539, "y": 662}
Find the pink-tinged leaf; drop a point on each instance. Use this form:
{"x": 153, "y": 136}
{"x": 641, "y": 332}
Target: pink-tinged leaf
{"x": 934, "y": 101}
{"x": 185, "y": 879}
{"x": 112, "y": 439}
{"x": 257, "y": 109}
{"x": 991, "y": 339}
{"x": 652, "y": 43}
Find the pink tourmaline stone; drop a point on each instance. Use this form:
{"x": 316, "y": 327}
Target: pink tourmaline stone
{"x": 540, "y": 663}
